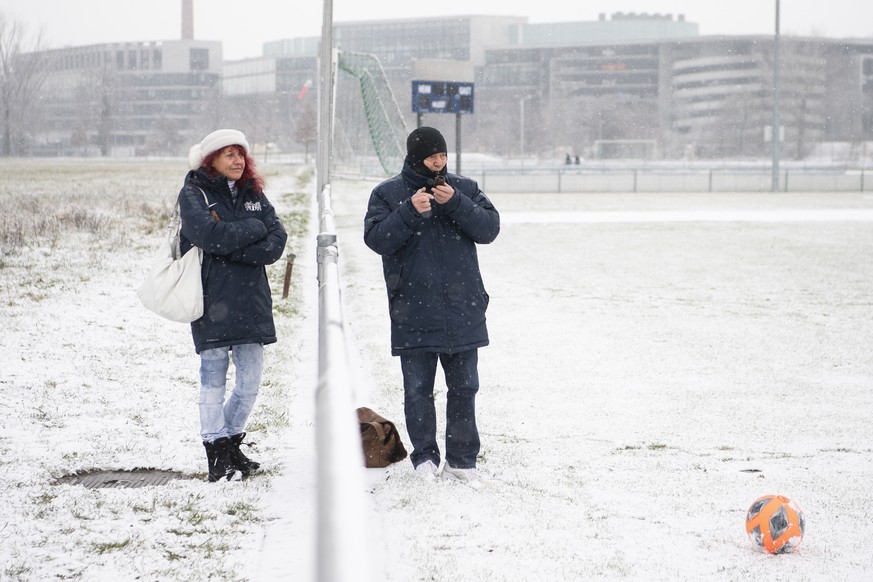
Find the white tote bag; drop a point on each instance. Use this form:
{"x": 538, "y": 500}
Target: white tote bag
{"x": 173, "y": 288}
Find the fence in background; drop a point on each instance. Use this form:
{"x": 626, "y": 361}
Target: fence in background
{"x": 655, "y": 180}
{"x": 592, "y": 177}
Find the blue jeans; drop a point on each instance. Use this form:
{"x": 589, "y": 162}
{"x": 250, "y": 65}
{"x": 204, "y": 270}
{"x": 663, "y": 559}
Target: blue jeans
{"x": 462, "y": 381}
{"x": 217, "y": 417}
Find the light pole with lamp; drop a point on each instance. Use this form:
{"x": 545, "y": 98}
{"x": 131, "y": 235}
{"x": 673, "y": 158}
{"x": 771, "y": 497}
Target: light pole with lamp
{"x": 521, "y": 123}
{"x": 776, "y": 133}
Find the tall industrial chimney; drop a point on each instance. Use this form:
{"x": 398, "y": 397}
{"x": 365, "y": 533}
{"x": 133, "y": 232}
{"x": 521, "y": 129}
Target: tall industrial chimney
{"x": 187, "y": 19}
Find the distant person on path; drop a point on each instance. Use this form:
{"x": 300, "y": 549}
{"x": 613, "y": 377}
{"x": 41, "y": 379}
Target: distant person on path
{"x": 240, "y": 234}
{"x": 427, "y": 234}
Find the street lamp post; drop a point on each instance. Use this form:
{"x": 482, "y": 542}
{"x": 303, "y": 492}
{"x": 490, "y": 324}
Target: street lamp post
{"x": 521, "y": 123}
{"x": 776, "y": 133}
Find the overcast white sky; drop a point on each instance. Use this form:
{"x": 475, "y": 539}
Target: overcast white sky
{"x": 244, "y": 26}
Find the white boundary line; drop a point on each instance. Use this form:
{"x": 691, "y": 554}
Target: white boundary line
{"x": 796, "y": 215}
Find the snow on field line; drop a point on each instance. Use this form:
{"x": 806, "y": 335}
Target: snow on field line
{"x": 782, "y": 215}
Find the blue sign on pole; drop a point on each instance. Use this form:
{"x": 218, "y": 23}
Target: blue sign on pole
{"x": 442, "y": 97}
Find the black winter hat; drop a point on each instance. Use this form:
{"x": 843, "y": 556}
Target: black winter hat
{"x": 423, "y": 143}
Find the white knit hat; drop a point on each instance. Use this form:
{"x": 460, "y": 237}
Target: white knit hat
{"x": 212, "y": 143}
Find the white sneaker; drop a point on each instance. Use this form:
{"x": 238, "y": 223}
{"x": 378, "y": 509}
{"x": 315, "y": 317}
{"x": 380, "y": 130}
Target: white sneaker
{"x": 427, "y": 470}
{"x": 467, "y": 476}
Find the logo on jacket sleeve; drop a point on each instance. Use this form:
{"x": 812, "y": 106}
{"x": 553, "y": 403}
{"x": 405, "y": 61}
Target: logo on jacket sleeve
{"x": 253, "y": 206}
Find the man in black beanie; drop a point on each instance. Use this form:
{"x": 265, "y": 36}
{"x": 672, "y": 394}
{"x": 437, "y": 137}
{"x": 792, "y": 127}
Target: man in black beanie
{"x": 426, "y": 223}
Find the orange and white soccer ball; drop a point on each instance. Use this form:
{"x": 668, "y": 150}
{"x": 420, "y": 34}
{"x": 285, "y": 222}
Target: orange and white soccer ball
{"x": 775, "y": 524}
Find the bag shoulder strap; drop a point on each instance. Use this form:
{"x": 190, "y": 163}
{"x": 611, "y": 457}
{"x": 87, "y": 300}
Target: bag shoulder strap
{"x": 174, "y": 226}
{"x": 209, "y": 206}
{"x": 174, "y": 230}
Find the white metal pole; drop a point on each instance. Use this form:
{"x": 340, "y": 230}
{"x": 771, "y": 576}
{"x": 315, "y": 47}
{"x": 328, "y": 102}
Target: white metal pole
{"x": 325, "y": 93}
{"x": 776, "y": 133}
{"x": 521, "y": 125}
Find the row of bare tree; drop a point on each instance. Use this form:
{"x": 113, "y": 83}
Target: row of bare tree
{"x": 22, "y": 74}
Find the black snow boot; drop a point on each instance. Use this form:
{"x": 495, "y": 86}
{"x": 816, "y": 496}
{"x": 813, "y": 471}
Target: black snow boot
{"x": 240, "y": 461}
{"x": 220, "y": 459}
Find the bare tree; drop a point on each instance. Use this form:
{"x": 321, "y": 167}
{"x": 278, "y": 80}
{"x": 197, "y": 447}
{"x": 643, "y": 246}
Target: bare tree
{"x": 22, "y": 73}
{"x": 107, "y": 99}
{"x": 307, "y": 127}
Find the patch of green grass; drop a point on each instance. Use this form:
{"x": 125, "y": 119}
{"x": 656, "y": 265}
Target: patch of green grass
{"x": 269, "y": 417}
{"x": 195, "y": 517}
{"x": 245, "y": 512}
{"x": 287, "y": 307}
{"x": 144, "y": 508}
{"x": 106, "y": 547}
{"x": 42, "y": 416}
{"x": 16, "y": 571}
{"x": 173, "y": 557}
{"x": 44, "y": 498}
{"x": 212, "y": 548}
{"x": 305, "y": 177}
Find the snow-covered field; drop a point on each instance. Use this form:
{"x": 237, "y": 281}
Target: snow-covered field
{"x": 90, "y": 380}
{"x": 654, "y": 368}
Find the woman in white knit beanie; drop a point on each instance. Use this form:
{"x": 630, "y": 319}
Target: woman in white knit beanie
{"x": 225, "y": 212}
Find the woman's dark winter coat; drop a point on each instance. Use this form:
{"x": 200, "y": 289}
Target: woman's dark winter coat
{"x": 436, "y": 297}
{"x": 238, "y": 306}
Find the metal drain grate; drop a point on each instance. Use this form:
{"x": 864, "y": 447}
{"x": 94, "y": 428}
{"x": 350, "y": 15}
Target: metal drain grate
{"x": 122, "y": 479}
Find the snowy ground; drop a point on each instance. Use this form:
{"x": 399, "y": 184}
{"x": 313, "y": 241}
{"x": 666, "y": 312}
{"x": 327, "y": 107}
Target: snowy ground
{"x": 647, "y": 355}
{"x": 648, "y": 352}
{"x": 90, "y": 380}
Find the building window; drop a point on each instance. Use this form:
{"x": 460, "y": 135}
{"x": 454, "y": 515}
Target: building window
{"x": 199, "y": 59}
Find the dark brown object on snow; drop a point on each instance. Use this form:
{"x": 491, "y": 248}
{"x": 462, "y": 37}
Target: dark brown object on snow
{"x": 379, "y": 437}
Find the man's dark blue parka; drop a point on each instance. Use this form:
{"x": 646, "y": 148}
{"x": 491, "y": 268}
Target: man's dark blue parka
{"x": 436, "y": 297}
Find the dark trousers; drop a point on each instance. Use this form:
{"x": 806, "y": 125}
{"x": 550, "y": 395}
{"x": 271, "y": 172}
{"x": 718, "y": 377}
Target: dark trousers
{"x": 462, "y": 381}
